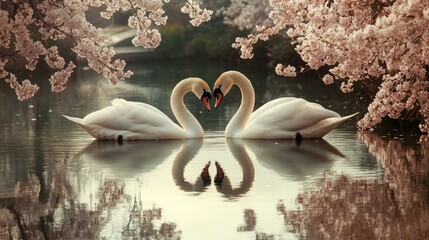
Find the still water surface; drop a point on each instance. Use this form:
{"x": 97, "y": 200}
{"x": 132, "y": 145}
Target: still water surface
{"x": 58, "y": 182}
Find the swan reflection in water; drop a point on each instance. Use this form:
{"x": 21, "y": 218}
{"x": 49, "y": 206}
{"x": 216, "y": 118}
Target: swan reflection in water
{"x": 135, "y": 157}
{"x": 285, "y": 157}
{"x": 130, "y": 157}
{"x": 186, "y": 153}
{"x": 294, "y": 160}
{"x": 221, "y": 181}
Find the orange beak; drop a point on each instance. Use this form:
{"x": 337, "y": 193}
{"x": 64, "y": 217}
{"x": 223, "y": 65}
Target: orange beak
{"x": 205, "y": 99}
{"x": 206, "y": 103}
{"x": 218, "y": 95}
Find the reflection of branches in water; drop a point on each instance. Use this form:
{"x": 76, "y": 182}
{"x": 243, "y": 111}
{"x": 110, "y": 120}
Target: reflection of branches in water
{"x": 141, "y": 224}
{"x": 128, "y": 231}
{"x": 406, "y": 167}
{"x": 250, "y": 225}
{"x": 249, "y": 221}
{"x": 23, "y": 216}
{"x": 111, "y": 193}
{"x": 59, "y": 218}
{"x": 395, "y": 207}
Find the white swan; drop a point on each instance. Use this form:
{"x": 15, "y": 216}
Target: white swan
{"x": 282, "y": 118}
{"x": 126, "y": 120}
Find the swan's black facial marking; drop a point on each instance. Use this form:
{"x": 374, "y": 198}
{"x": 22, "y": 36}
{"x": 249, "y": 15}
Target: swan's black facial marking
{"x": 205, "y": 99}
{"x": 218, "y": 94}
{"x": 206, "y": 94}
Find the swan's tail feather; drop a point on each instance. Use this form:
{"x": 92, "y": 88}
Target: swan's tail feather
{"x": 349, "y": 116}
{"x": 335, "y": 122}
{"x": 79, "y": 121}
{"x": 325, "y": 126}
{"x": 89, "y": 128}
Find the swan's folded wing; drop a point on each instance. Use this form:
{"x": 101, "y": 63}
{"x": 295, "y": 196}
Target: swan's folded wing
{"x": 291, "y": 116}
{"x": 270, "y": 105}
{"x": 141, "y": 104}
{"x": 124, "y": 115}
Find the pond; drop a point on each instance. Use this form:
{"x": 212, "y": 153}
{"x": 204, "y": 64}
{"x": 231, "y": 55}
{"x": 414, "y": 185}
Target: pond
{"x": 58, "y": 182}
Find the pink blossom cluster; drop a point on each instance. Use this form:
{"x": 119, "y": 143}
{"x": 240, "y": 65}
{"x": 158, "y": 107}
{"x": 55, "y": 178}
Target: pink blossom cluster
{"x": 287, "y": 71}
{"x": 245, "y": 44}
{"x": 399, "y": 97}
{"x": 196, "y": 14}
{"x": 359, "y": 41}
{"x": 24, "y": 90}
{"x": 31, "y": 30}
{"x": 246, "y": 14}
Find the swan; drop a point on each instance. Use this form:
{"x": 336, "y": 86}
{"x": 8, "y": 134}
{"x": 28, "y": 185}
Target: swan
{"x": 282, "y": 118}
{"x": 126, "y": 120}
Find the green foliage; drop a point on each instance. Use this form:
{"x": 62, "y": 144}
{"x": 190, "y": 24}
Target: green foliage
{"x": 173, "y": 41}
{"x": 213, "y": 40}
{"x": 210, "y": 41}
{"x": 281, "y": 50}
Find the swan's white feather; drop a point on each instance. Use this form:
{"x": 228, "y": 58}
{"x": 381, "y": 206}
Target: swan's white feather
{"x": 268, "y": 106}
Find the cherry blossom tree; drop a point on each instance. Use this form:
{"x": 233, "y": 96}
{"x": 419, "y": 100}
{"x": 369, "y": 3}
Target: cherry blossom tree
{"x": 32, "y": 30}
{"x": 381, "y": 41}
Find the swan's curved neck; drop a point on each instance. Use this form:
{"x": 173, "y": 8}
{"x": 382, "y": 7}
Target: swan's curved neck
{"x": 190, "y": 124}
{"x": 241, "y": 117}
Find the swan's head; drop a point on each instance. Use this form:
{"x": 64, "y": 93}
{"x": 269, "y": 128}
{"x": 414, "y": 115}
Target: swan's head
{"x": 202, "y": 90}
{"x": 222, "y": 86}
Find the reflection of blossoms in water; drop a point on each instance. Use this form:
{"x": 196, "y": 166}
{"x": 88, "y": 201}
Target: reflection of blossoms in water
{"x": 395, "y": 207}
{"x": 26, "y": 216}
{"x": 31, "y": 215}
{"x": 141, "y": 224}
{"x": 406, "y": 169}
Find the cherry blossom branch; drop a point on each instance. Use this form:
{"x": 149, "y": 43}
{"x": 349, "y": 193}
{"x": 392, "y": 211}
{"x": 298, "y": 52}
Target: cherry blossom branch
{"x": 246, "y": 44}
{"x": 65, "y": 19}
